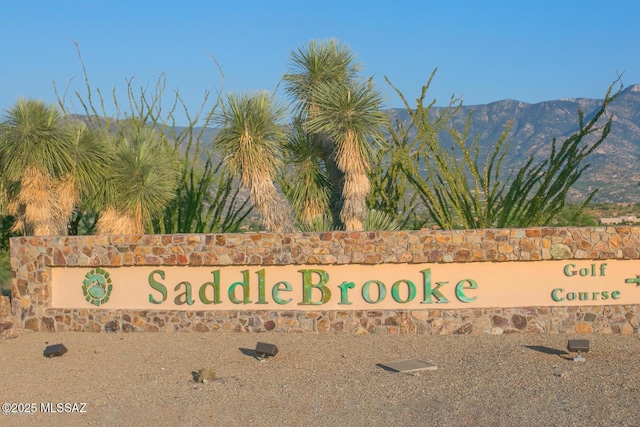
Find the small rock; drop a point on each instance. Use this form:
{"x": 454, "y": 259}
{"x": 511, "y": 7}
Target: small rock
{"x": 207, "y": 374}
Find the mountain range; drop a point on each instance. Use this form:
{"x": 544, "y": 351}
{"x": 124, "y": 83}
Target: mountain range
{"x": 612, "y": 167}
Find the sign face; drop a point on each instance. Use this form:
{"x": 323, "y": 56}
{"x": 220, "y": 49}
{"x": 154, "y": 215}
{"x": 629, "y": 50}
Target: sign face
{"x": 350, "y": 287}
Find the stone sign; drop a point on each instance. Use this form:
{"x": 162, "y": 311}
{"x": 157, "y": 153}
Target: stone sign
{"x": 350, "y": 287}
{"x": 534, "y": 280}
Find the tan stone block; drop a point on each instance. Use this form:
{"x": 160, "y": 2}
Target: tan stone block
{"x": 361, "y": 331}
{"x": 482, "y": 323}
{"x": 380, "y": 330}
{"x": 352, "y": 324}
{"x": 443, "y": 238}
{"x": 437, "y": 326}
{"x": 614, "y": 242}
{"x": 291, "y": 322}
{"x": 626, "y": 329}
{"x": 420, "y": 314}
{"x": 307, "y": 325}
{"x": 505, "y": 248}
{"x": 323, "y": 325}
{"x": 201, "y": 327}
{"x": 227, "y": 326}
{"x": 584, "y": 328}
{"x": 32, "y": 324}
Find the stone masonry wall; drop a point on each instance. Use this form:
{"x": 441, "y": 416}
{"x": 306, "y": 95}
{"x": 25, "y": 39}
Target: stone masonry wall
{"x": 33, "y": 257}
{"x": 7, "y": 324}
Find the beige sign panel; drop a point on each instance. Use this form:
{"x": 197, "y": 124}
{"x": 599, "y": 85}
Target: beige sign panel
{"x": 350, "y": 287}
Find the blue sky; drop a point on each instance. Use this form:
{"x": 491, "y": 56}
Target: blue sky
{"x": 485, "y": 51}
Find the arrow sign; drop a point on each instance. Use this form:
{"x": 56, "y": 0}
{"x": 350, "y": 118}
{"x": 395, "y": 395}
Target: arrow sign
{"x": 636, "y": 280}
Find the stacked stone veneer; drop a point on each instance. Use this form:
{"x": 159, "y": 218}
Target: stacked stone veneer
{"x": 33, "y": 257}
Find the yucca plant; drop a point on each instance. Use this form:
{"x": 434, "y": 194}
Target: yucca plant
{"x": 206, "y": 198}
{"x": 50, "y": 163}
{"x": 317, "y": 63}
{"x": 340, "y": 114}
{"x": 250, "y": 140}
{"x": 350, "y": 115}
{"x": 305, "y": 183}
{"x": 312, "y": 65}
{"x": 318, "y": 224}
{"x": 142, "y": 180}
{"x": 377, "y": 221}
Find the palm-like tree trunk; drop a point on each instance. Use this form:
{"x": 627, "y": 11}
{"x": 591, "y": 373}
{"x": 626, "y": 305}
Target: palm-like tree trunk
{"x": 356, "y": 183}
{"x": 268, "y": 201}
{"x": 35, "y": 204}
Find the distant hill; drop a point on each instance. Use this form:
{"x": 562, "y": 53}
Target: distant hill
{"x": 615, "y": 166}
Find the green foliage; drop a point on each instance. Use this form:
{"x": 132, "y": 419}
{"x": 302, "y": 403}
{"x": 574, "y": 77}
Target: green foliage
{"x": 143, "y": 174}
{"x": 340, "y": 113}
{"x": 6, "y": 224}
{"x": 317, "y": 63}
{"x": 350, "y": 116}
{"x": 390, "y": 189}
{"x": 251, "y": 135}
{"x": 250, "y": 140}
{"x": 337, "y": 166}
{"x": 50, "y": 162}
{"x": 575, "y": 216}
{"x": 600, "y": 210}
{"x": 459, "y": 190}
{"x": 348, "y": 109}
{"x": 208, "y": 202}
{"x": 5, "y": 273}
{"x": 83, "y": 222}
{"x": 205, "y": 198}
{"x": 318, "y": 224}
{"x": 34, "y": 135}
{"x": 92, "y": 154}
{"x": 377, "y": 220}
{"x": 305, "y": 182}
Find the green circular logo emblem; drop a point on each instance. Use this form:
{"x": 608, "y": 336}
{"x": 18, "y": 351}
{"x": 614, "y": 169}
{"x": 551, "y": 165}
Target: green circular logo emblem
{"x": 97, "y": 286}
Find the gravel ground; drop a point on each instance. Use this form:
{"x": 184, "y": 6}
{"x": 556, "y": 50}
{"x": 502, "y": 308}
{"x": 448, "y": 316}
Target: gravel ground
{"x": 147, "y": 379}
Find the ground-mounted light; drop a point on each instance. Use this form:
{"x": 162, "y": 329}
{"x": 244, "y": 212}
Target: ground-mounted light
{"x": 579, "y": 347}
{"x": 55, "y": 350}
{"x": 264, "y": 350}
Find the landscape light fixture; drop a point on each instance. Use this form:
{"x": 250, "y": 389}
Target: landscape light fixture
{"x": 578, "y": 346}
{"x": 264, "y": 350}
{"x": 55, "y": 350}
